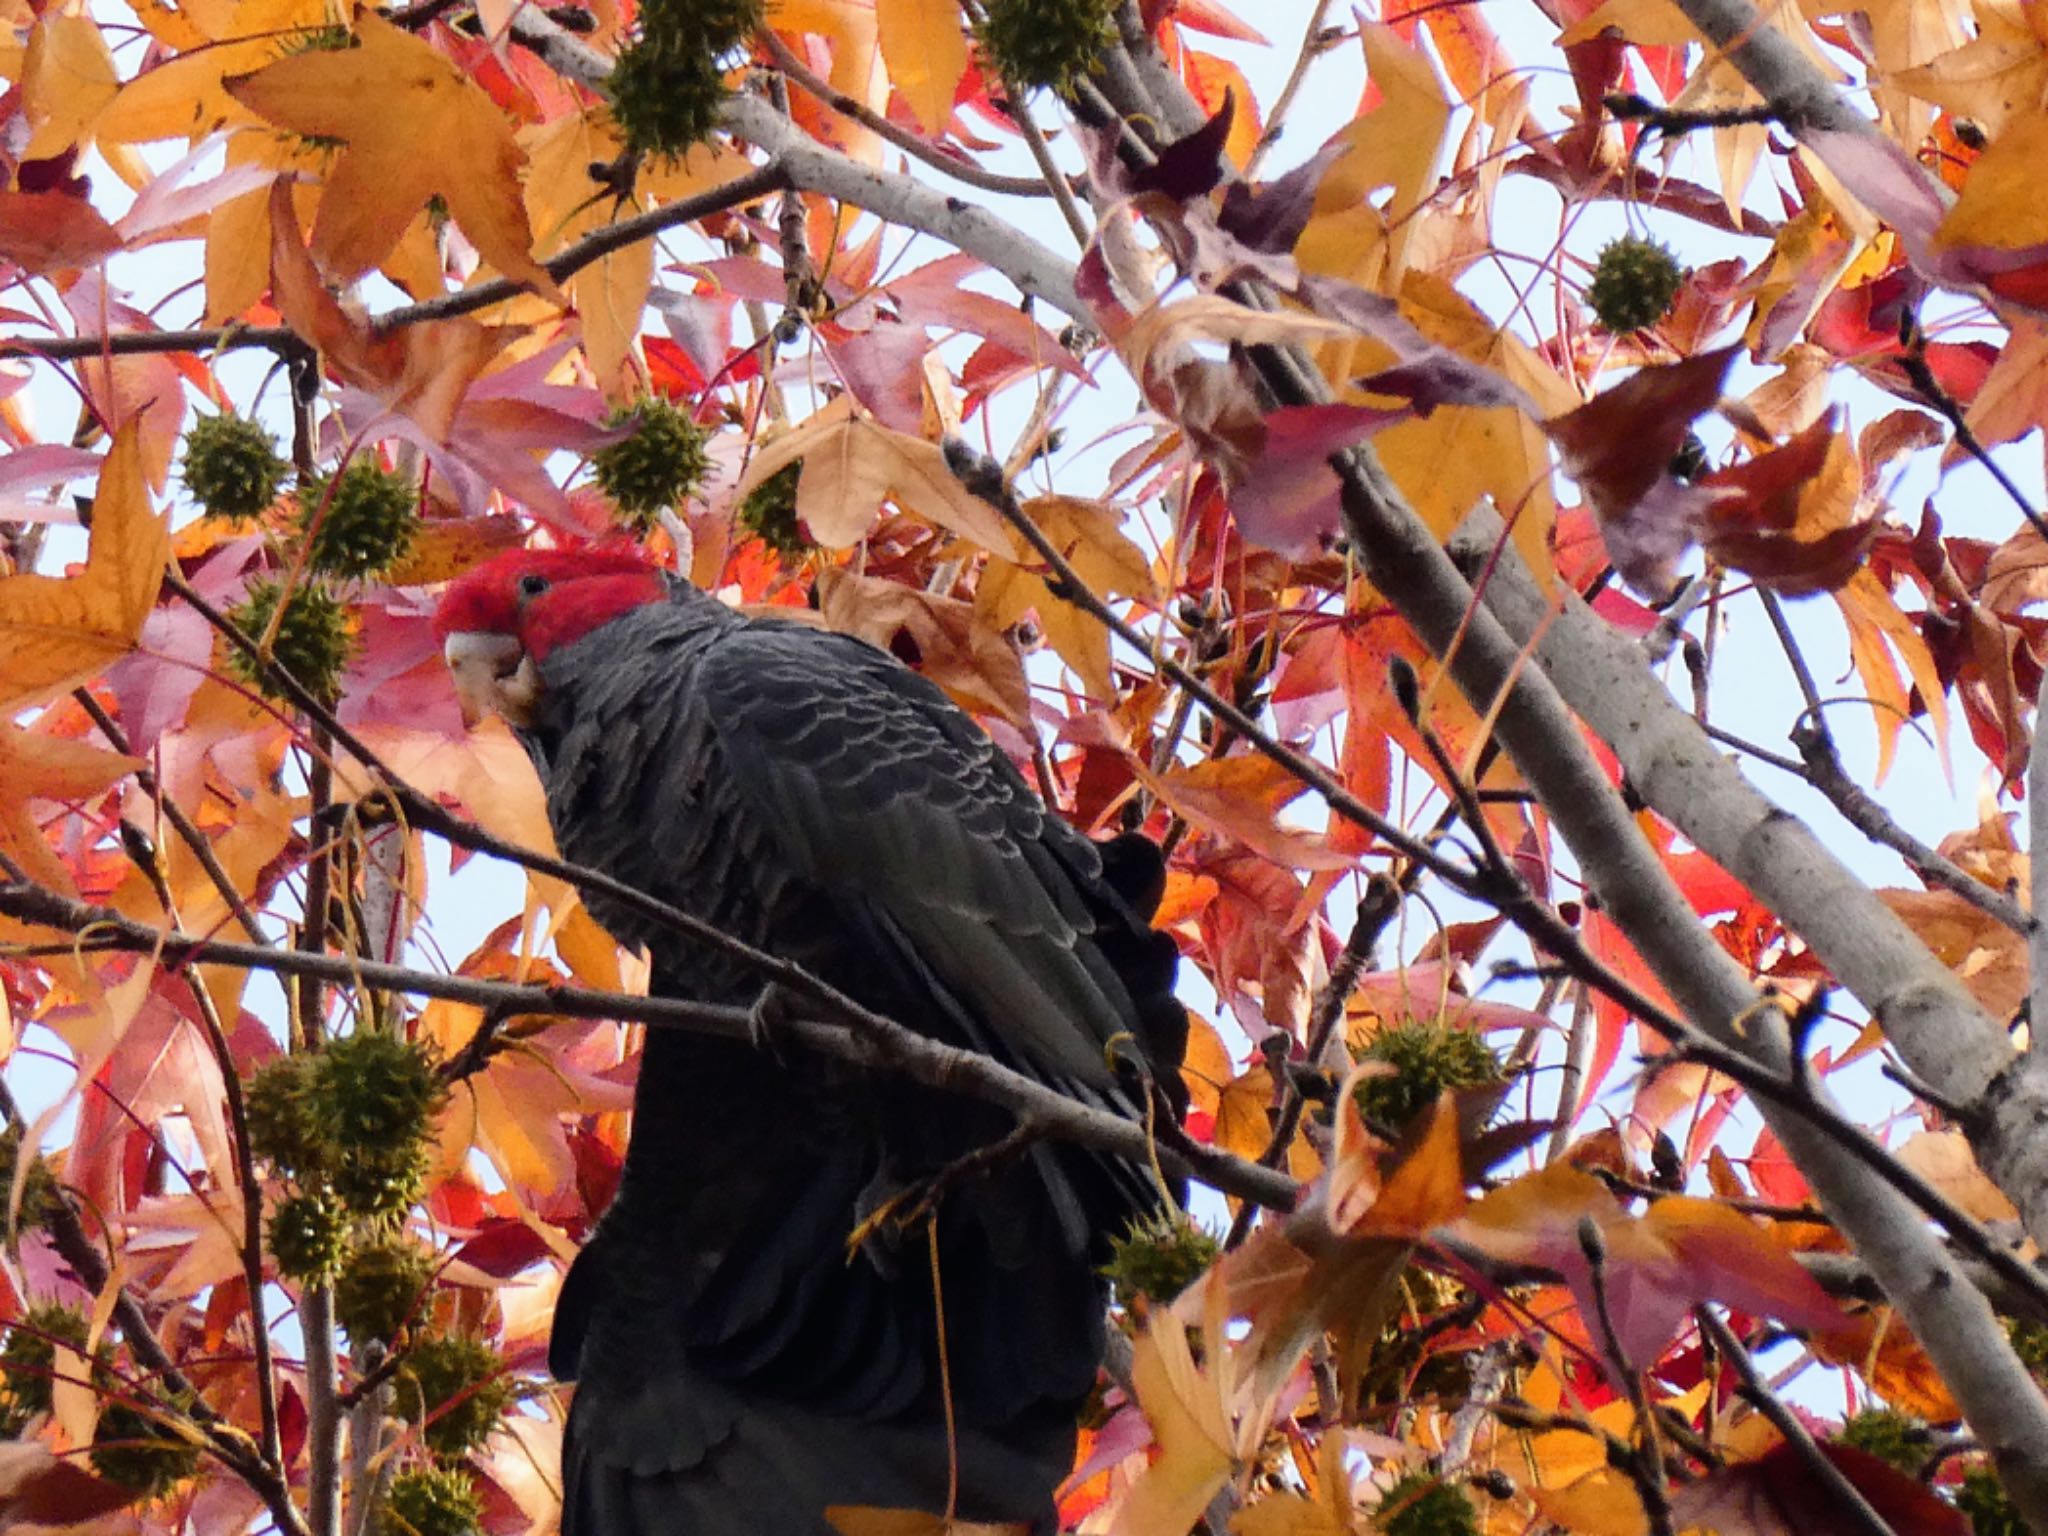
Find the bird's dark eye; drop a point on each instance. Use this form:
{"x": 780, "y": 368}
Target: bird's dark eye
{"x": 532, "y": 585}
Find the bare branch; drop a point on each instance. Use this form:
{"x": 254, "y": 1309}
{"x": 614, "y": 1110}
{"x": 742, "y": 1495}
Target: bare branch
{"x": 854, "y": 1035}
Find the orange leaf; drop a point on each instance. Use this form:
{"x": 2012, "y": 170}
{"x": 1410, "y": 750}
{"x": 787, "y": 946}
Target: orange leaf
{"x": 852, "y": 466}
{"x": 926, "y": 53}
{"x": 55, "y": 632}
{"x": 415, "y": 128}
{"x": 422, "y": 371}
{"x": 35, "y": 766}
{"x": 1239, "y": 800}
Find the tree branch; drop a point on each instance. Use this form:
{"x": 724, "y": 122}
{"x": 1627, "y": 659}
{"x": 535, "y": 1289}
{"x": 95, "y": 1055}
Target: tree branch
{"x": 858, "y": 1036}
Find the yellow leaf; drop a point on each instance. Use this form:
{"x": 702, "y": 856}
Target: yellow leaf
{"x": 610, "y": 293}
{"x": 926, "y": 52}
{"x": 1183, "y": 1403}
{"x": 1397, "y": 144}
{"x": 415, "y": 128}
{"x": 67, "y": 77}
{"x": 1458, "y": 454}
{"x": 183, "y": 98}
{"x": 974, "y": 662}
{"x": 852, "y": 466}
{"x": 2001, "y": 204}
{"x": 1877, "y": 631}
{"x": 1087, "y": 534}
{"x": 56, "y": 632}
{"x": 1944, "y": 1159}
{"x": 35, "y": 766}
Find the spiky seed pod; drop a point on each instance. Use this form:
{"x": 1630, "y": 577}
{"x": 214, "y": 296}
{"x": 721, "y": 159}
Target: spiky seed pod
{"x": 1983, "y": 1498}
{"x": 375, "y": 1092}
{"x": 278, "y": 1102}
{"x": 1892, "y": 1437}
{"x": 456, "y": 1388}
{"x": 232, "y": 466}
{"x": 28, "y": 1358}
{"x": 667, "y": 88}
{"x": 314, "y": 640}
{"x": 664, "y": 98}
{"x": 39, "y": 1191}
{"x": 380, "y": 1183}
{"x": 1045, "y": 44}
{"x": 1159, "y": 1257}
{"x": 371, "y": 517}
{"x": 309, "y": 1238}
{"x": 380, "y": 1291}
{"x": 139, "y": 1451}
{"x": 430, "y": 1501}
{"x": 768, "y": 512}
{"x": 660, "y": 463}
{"x": 1423, "y": 1504}
{"x": 2030, "y": 1343}
{"x": 1633, "y": 284}
{"x": 1427, "y": 1057}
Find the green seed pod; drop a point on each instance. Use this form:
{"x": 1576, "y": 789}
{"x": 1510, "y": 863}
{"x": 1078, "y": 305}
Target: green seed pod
{"x": 1045, "y": 44}
{"x": 382, "y": 1183}
{"x": 1983, "y": 1498}
{"x": 371, "y": 517}
{"x": 381, "y": 1290}
{"x": 659, "y": 464}
{"x": 309, "y": 1238}
{"x": 430, "y": 1501}
{"x": 1427, "y": 1058}
{"x": 1423, "y": 1504}
{"x": 1159, "y": 1257}
{"x": 28, "y": 1358}
{"x": 140, "y": 1451}
{"x": 375, "y": 1092}
{"x": 40, "y": 1193}
{"x": 314, "y": 641}
{"x": 1633, "y": 284}
{"x": 232, "y": 466}
{"x": 457, "y": 1388}
{"x": 1893, "y": 1438}
{"x": 278, "y": 1103}
{"x": 768, "y": 512}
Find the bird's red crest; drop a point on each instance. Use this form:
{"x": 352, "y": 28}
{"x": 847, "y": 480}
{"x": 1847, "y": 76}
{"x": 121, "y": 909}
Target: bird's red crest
{"x": 586, "y": 588}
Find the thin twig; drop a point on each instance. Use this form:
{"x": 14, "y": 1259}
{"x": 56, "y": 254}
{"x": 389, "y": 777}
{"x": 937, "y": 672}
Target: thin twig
{"x": 958, "y": 167}
{"x": 860, "y": 1037}
{"x": 1843, "y": 1495}
{"x": 561, "y": 266}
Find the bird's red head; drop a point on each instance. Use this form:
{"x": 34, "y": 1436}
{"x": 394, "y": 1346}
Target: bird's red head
{"x": 498, "y": 623}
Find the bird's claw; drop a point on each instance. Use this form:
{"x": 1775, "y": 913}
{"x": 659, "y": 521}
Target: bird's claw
{"x": 769, "y": 1018}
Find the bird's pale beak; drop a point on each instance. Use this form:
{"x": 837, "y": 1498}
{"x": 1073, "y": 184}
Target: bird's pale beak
{"x": 493, "y": 675}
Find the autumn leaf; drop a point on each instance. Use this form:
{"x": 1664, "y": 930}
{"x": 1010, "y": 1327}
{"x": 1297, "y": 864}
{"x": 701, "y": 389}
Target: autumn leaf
{"x": 1777, "y": 1494}
{"x": 1788, "y": 516}
{"x": 941, "y": 636}
{"x": 35, "y": 765}
{"x": 1089, "y": 537}
{"x": 415, "y": 128}
{"x": 1656, "y": 1267}
{"x": 422, "y": 371}
{"x": 851, "y": 467}
{"x": 926, "y": 51}
{"x": 56, "y": 632}
{"x": 1188, "y": 1407}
